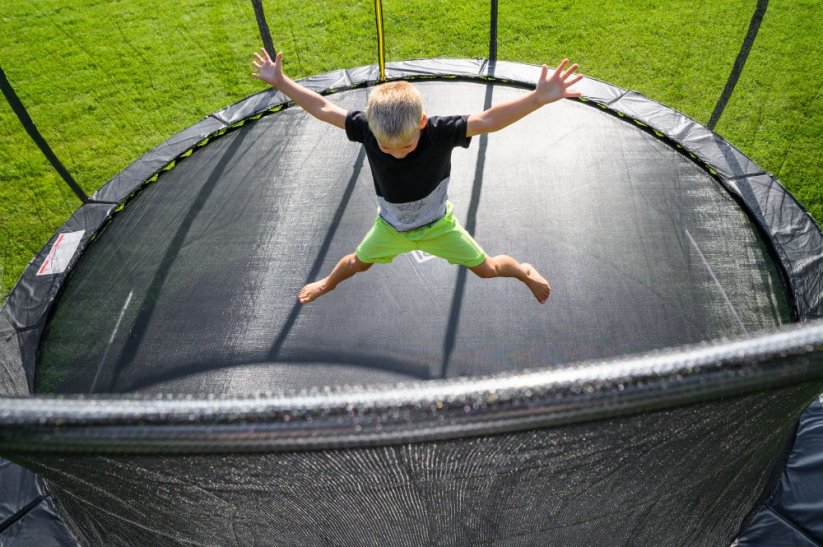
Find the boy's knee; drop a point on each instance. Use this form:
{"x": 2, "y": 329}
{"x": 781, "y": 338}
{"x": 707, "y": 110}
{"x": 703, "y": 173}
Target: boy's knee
{"x": 359, "y": 265}
{"x": 485, "y": 269}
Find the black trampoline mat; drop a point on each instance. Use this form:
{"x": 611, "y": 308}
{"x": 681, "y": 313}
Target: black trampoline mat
{"x": 192, "y": 288}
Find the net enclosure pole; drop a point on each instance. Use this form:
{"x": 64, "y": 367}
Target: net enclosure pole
{"x": 263, "y": 27}
{"x": 739, "y": 63}
{"x": 37, "y": 137}
{"x": 493, "y": 32}
{"x": 381, "y": 41}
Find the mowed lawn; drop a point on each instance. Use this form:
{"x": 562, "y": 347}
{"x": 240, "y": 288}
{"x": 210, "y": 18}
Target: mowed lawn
{"x": 106, "y": 81}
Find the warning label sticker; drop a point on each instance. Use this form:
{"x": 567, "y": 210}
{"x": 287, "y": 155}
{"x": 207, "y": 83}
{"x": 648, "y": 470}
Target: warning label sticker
{"x": 62, "y": 251}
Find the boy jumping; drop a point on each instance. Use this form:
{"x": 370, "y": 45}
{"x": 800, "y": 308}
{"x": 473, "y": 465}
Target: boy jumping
{"x": 410, "y": 159}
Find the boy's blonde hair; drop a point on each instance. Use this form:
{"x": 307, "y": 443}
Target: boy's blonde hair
{"x": 394, "y": 112}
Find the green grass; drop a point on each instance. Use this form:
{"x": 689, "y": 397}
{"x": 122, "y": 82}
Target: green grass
{"x": 107, "y": 81}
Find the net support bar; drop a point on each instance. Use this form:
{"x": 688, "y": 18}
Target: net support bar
{"x": 739, "y": 63}
{"x": 34, "y": 133}
{"x": 265, "y": 34}
{"x": 381, "y": 41}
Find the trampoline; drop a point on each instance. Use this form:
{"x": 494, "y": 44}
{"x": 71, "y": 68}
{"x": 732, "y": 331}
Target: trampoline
{"x": 192, "y": 288}
{"x": 417, "y": 403}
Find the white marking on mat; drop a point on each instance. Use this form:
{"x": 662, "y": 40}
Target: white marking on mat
{"x": 61, "y": 253}
{"x": 716, "y": 281}
{"x": 421, "y": 256}
{"x": 111, "y": 341}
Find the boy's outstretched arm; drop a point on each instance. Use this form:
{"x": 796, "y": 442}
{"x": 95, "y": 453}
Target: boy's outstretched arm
{"x": 315, "y": 104}
{"x": 549, "y": 89}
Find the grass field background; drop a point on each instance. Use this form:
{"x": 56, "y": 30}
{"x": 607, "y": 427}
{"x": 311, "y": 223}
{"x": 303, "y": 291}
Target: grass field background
{"x": 106, "y": 81}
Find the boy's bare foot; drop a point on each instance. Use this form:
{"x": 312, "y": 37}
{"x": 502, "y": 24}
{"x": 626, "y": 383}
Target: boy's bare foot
{"x": 313, "y": 291}
{"x": 537, "y": 283}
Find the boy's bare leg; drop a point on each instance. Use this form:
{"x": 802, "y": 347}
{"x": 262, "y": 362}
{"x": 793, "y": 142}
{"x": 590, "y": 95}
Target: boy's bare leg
{"x": 506, "y": 266}
{"x": 347, "y": 267}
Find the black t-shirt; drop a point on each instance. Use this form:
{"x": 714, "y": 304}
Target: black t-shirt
{"x": 414, "y": 177}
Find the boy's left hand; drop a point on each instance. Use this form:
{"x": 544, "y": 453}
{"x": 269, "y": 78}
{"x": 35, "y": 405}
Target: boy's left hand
{"x": 556, "y": 87}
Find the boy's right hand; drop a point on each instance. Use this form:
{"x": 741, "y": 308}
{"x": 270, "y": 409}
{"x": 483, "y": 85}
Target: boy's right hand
{"x": 269, "y": 71}
{"x": 312, "y": 102}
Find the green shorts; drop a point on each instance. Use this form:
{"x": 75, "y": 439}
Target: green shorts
{"x": 445, "y": 238}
